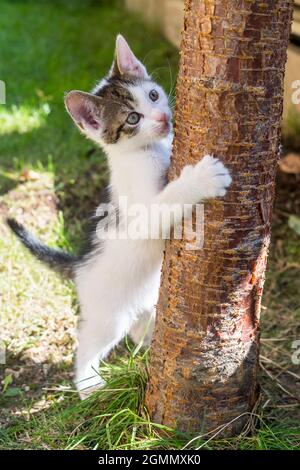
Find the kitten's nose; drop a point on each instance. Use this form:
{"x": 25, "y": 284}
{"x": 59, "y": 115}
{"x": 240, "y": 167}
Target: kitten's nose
{"x": 160, "y": 117}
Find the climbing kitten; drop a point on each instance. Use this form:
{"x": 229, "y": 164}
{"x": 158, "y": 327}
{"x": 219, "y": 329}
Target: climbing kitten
{"x": 117, "y": 280}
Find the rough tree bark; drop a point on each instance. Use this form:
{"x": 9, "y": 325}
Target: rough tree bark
{"x": 204, "y": 355}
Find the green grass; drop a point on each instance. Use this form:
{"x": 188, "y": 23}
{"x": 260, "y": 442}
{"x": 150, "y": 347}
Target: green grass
{"x": 115, "y": 419}
{"x": 51, "y": 179}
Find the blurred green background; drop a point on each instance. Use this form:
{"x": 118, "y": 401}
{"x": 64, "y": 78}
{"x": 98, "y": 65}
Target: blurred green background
{"x": 48, "y": 48}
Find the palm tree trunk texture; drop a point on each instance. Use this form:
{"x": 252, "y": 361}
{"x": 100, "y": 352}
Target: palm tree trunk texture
{"x": 204, "y": 355}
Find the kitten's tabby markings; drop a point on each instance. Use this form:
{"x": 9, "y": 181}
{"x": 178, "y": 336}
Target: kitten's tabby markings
{"x": 118, "y": 280}
{"x": 119, "y": 103}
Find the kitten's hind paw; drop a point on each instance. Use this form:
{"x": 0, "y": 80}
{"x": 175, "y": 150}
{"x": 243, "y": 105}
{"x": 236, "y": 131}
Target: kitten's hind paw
{"x": 87, "y": 392}
{"x": 86, "y": 387}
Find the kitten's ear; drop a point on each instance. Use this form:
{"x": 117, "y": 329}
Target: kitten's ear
{"x": 84, "y": 109}
{"x": 125, "y": 62}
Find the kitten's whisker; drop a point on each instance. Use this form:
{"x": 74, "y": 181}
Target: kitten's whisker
{"x": 146, "y": 57}
{"x": 171, "y": 79}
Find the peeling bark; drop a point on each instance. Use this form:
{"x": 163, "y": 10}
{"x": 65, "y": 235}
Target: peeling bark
{"x": 204, "y": 356}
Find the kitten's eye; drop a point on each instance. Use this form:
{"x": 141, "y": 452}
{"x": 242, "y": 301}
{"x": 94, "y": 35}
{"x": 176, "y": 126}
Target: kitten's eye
{"x": 153, "y": 95}
{"x": 133, "y": 118}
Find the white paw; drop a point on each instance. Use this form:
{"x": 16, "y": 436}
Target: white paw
{"x": 87, "y": 392}
{"x": 89, "y": 385}
{"x": 210, "y": 177}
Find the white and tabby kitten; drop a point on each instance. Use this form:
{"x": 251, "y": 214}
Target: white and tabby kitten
{"x": 117, "y": 280}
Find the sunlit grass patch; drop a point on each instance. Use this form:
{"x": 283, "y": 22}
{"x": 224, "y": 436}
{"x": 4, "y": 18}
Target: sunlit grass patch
{"x": 22, "y": 119}
{"x": 37, "y": 317}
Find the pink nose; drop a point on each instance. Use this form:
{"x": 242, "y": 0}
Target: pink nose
{"x": 160, "y": 117}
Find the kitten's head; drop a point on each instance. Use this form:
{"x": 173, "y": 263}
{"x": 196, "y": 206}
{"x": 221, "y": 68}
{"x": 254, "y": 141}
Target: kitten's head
{"x": 125, "y": 107}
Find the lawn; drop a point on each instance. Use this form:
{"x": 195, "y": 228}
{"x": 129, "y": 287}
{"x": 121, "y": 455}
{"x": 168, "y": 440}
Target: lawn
{"x": 51, "y": 179}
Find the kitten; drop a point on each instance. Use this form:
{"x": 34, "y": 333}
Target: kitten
{"x": 118, "y": 280}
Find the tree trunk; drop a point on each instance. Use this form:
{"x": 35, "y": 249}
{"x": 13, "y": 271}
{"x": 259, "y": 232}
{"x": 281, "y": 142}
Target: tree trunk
{"x": 204, "y": 355}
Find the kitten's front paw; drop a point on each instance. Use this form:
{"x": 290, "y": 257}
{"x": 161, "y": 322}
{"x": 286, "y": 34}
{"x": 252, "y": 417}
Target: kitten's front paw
{"x": 212, "y": 177}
